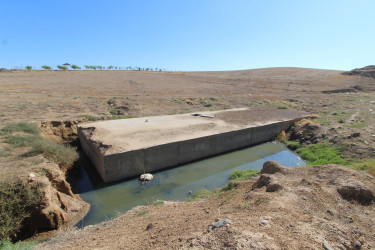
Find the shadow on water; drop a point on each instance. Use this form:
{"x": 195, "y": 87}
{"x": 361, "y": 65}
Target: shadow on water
{"x": 179, "y": 183}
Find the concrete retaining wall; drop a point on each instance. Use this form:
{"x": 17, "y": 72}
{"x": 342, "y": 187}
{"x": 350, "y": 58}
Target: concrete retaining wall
{"x": 133, "y": 163}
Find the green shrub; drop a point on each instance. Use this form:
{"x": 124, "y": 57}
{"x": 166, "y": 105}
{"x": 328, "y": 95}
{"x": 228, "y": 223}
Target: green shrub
{"x": 322, "y": 153}
{"x": 240, "y": 175}
{"x": 16, "y": 198}
{"x": 20, "y": 245}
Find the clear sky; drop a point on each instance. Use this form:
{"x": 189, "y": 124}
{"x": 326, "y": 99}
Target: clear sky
{"x": 188, "y": 35}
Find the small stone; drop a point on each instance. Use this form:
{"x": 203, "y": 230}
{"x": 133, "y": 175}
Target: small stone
{"x": 358, "y": 245}
{"x": 355, "y": 135}
{"x": 146, "y": 177}
{"x": 326, "y": 246}
{"x": 304, "y": 198}
{"x": 221, "y": 223}
{"x": 31, "y": 175}
{"x": 263, "y": 222}
{"x": 149, "y": 226}
{"x": 330, "y": 212}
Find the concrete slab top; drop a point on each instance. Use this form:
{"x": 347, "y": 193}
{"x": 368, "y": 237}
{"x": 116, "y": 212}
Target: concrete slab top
{"x": 117, "y": 136}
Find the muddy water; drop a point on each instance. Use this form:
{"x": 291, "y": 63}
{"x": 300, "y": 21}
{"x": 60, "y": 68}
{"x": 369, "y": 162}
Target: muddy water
{"x": 174, "y": 184}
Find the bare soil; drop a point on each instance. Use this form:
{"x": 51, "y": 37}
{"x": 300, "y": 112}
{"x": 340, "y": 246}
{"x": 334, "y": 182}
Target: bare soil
{"x": 56, "y": 101}
{"x": 311, "y": 206}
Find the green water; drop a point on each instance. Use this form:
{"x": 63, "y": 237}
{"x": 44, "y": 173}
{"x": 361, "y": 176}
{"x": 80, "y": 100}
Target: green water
{"x": 177, "y": 183}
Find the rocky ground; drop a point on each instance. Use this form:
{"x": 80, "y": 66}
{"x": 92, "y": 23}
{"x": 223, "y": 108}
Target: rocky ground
{"x": 344, "y": 104}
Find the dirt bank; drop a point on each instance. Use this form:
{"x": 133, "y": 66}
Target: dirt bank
{"x": 284, "y": 208}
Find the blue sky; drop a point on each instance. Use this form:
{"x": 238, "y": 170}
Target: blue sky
{"x": 188, "y": 35}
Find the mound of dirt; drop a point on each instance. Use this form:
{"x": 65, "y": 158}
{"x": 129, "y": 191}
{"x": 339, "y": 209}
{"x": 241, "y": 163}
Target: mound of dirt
{"x": 307, "y": 132}
{"x": 284, "y": 208}
{"x": 368, "y": 71}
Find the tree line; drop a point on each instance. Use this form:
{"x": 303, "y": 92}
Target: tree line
{"x": 67, "y": 66}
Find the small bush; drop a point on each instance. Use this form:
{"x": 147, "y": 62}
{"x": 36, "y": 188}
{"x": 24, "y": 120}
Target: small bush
{"x": 16, "y": 197}
{"x": 241, "y": 175}
{"x": 20, "y": 127}
{"x": 320, "y": 154}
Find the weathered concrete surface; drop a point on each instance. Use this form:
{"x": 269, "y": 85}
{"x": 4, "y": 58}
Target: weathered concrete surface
{"x": 125, "y": 148}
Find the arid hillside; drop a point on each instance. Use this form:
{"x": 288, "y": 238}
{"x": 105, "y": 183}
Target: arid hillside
{"x": 41, "y": 152}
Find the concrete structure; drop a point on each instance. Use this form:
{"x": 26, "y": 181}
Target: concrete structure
{"x": 126, "y": 148}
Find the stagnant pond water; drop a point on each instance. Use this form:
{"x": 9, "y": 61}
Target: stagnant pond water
{"x": 177, "y": 183}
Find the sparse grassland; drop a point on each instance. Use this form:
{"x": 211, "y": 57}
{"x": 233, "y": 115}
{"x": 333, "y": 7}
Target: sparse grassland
{"x": 27, "y": 135}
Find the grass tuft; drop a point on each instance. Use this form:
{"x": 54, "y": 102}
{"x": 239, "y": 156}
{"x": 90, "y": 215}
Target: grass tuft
{"x": 241, "y": 175}
{"x": 143, "y": 212}
{"x": 158, "y": 203}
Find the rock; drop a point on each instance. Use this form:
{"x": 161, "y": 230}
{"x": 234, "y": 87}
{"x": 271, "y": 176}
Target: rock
{"x": 31, "y": 175}
{"x": 149, "y": 226}
{"x": 326, "y": 246}
{"x": 271, "y": 167}
{"x": 263, "y": 222}
{"x": 262, "y": 181}
{"x": 273, "y": 187}
{"x": 330, "y": 212}
{"x": 355, "y": 135}
{"x": 221, "y": 223}
{"x": 146, "y": 177}
{"x": 358, "y": 245}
